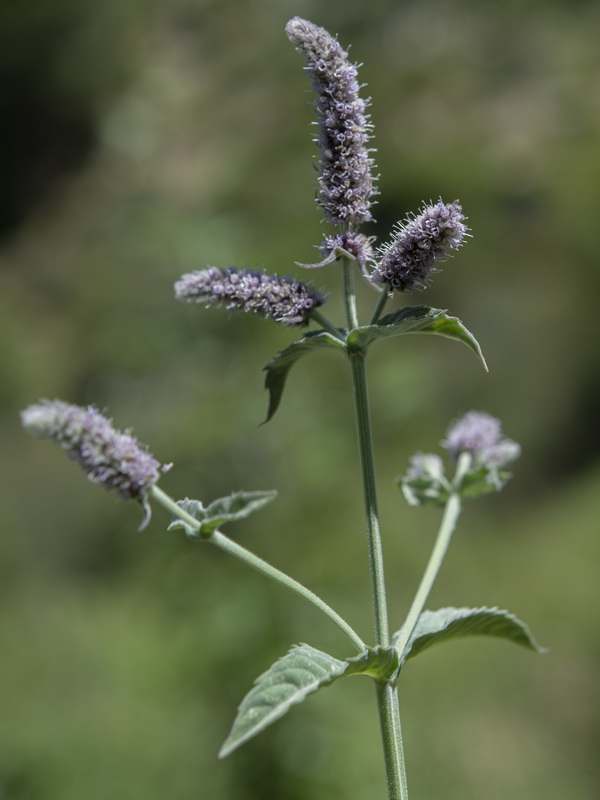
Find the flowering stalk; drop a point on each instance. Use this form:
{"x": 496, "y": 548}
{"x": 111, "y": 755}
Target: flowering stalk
{"x": 346, "y": 185}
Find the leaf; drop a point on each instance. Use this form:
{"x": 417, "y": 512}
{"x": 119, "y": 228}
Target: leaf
{"x": 287, "y": 682}
{"x": 449, "y": 623}
{"x": 277, "y": 370}
{"x": 226, "y": 509}
{"x": 414, "y": 319}
{"x": 302, "y": 671}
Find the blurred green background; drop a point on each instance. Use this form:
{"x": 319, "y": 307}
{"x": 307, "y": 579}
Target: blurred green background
{"x": 141, "y": 140}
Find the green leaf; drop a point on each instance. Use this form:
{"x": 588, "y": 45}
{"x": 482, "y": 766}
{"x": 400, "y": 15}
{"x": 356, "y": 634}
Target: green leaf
{"x": 226, "y": 509}
{"x": 287, "y": 682}
{"x": 277, "y": 370}
{"x": 303, "y": 670}
{"x": 414, "y": 319}
{"x": 449, "y": 623}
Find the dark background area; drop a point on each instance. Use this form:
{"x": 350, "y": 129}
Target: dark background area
{"x": 145, "y": 139}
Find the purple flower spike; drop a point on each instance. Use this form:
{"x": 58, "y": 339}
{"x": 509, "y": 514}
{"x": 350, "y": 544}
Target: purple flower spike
{"x": 480, "y": 434}
{"x": 420, "y": 242}
{"x": 345, "y": 180}
{"x": 113, "y": 459}
{"x": 271, "y": 297}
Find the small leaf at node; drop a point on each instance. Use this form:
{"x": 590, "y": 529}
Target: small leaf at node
{"x": 450, "y": 623}
{"x": 277, "y": 370}
{"x": 196, "y": 510}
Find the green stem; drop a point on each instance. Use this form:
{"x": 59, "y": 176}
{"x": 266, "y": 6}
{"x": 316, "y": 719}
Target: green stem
{"x": 239, "y": 552}
{"x": 361, "y": 403}
{"x": 349, "y": 295}
{"x": 387, "y": 694}
{"x": 383, "y": 298}
{"x": 447, "y": 526}
{"x": 391, "y": 733}
{"x": 317, "y": 317}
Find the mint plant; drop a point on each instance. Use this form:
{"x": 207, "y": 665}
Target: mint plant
{"x": 478, "y": 453}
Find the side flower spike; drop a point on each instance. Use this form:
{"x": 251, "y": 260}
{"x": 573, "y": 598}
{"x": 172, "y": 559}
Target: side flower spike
{"x": 409, "y": 260}
{"x": 346, "y": 185}
{"x": 269, "y": 296}
{"x": 111, "y": 458}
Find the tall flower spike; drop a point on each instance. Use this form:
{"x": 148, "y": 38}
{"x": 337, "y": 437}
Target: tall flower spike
{"x": 420, "y": 242}
{"x": 346, "y": 185}
{"x": 111, "y": 458}
{"x": 271, "y": 297}
{"x": 480, "y": 434}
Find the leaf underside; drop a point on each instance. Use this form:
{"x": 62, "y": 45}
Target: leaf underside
{"x": 450, "y": 623}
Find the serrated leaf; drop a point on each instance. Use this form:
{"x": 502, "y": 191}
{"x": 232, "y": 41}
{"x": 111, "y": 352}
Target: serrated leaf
{"x": 303, "y": 670}
{"x": 414, "y": 319}
{"x": 300, "y": 672}
{"x": 449, "y": 623}
{"x": 226, "y": 509}
{"x": 277, "y": 370}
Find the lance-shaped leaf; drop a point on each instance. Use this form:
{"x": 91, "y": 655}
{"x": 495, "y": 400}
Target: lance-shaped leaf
{"x": 450, "y": 623}
{"x": 226, "y": 509}
{"x": 303, "y": 670}
{"x": 414, "y": 319}
{"x": 277, "y": 370}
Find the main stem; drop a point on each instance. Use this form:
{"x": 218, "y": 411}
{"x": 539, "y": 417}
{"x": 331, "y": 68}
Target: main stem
{"x": 387, "y": 693}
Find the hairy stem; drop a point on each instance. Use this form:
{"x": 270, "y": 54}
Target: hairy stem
{"x": 387, "y": 694}
{"x": 349, "y": 294}
{"x": 229, "y": 546}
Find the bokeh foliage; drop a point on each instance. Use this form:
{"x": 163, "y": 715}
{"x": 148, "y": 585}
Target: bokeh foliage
{"x": 145, "y": 139}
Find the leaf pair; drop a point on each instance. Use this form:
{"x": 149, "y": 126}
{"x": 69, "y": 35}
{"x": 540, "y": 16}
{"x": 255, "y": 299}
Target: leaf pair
{"x": 412, "y": 319}
{"x": 304, "y": 669}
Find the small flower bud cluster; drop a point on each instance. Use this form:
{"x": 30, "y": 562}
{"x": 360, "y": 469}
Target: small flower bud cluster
{"x": 409, "y": 260}
{"x": 477, "y": 434}
{"x": 113, "y": 459}
{"x": 271, "y": 297}
{"x": 345, "y": 180}
{"x": 480, "y": 434}
{"x": 357, "y": 244}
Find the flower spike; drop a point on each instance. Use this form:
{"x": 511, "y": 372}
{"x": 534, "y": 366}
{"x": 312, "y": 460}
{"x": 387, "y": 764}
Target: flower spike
{"x": 111, "y": 458}
{"x": 346, "y": 185}
{"x": 420, "y": 242}
{"x": 269, "y": 296}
